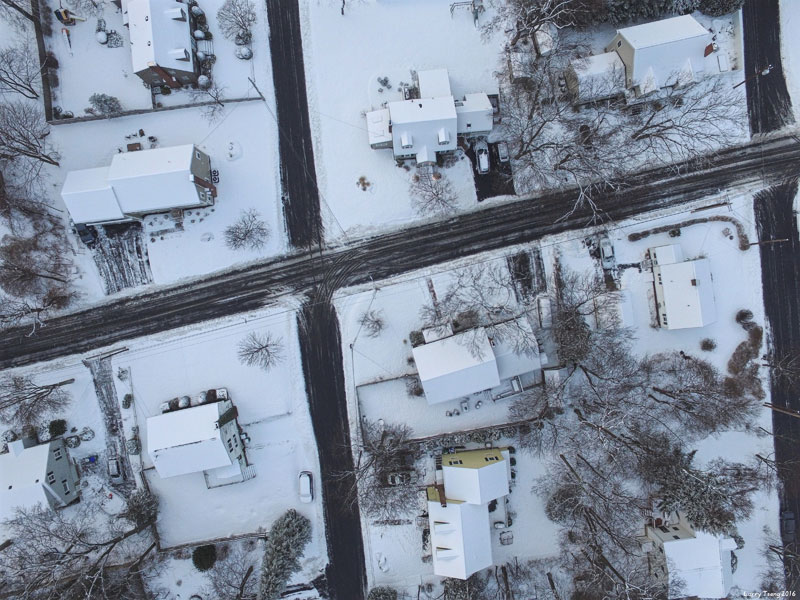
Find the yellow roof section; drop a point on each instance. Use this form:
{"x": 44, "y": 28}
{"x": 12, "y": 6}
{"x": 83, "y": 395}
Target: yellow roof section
{"x": 473, "y": 459}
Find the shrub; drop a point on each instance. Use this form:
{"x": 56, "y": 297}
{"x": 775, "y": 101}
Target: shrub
{"x": 717, "y": 8}
{"x": 286, "y": 543}
{"x": 382, "y": 593}
{"x": 57, "y": 427}
{"x": 105, "y": 104}
{"x": 126, "y": 400}
{"x": 708, "y": 344}
{"x": 744, "y": 316}
{"x": 204, "y": 557}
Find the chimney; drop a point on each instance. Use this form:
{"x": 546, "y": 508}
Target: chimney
{"x": 16, "y": 447}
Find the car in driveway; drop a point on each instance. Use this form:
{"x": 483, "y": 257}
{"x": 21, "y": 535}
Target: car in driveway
{"x": 401, "y": 478}
{"x": 115, "y": 470}
{"x": 306, "y": 486}
{"x": 87, "y": 234}
{"x": 482, "y": 156}
{"x": 502, "y": 151}
{"x": 606, "y": 253}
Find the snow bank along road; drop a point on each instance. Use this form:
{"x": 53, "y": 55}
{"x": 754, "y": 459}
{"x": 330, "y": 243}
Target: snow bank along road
{"x": 758, "y": 164}
{"x": 298, "y": 173}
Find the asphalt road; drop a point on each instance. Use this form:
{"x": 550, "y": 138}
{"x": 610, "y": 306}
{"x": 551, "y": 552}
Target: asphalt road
{"x": 768, "y": 103}
{"x": 780, "y": 267}
{"x": 321, "y": 348}
{"x": 298, "y": 174}
{"x": 233, "y": 292}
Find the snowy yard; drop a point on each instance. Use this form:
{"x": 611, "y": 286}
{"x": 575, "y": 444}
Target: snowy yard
{"x": 242, "y": 146}
{"x": 377, "y": 365}
{"x": 272, "y": 411}
{"x": 86, "y": 66}
{"x": 399, "y": 36}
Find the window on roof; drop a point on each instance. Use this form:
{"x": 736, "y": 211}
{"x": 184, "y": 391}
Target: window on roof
{"x": 619, "y": 43}
{"x": 66, "y": 487}
{"x": 57, "y": 454}
{"x": 51, "y": 478}
{"x": 456, "y": 461}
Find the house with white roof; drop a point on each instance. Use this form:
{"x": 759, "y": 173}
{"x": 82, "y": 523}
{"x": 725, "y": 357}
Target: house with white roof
{"x": 458, "y": 510}
{"x": 140, "y": 183}
{"x": 453, "y": 366}
{"x": 662, "y": 53}
{"x": 419, "y": 128}
{"x": 203, "y": 438}
{"x": 162, "y": 45}
{"x": 684, "y": 289}
{"x": 642, "y": 59}
{"x": 31, "y": 475}
{"x": 692, "y": 563}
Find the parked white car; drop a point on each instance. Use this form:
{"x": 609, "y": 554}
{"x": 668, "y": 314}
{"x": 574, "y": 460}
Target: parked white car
{"x": 502, "y": 151}
{"x": 306, "y": 487}
{"x": 482, "y": 154}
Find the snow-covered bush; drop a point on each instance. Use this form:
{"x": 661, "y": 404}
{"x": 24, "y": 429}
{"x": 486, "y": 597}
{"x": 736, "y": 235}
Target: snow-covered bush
{"x": 286, "y": 542}
{"x": 57, "y": 427}
{"x": 141, "y": 508}
{"x": 204, "y": 557}
{"x": 104, "y": 104}
{"x": 382, "y": 593}
{"x": 707, "y": 344}
{"x": 717, "y": 8}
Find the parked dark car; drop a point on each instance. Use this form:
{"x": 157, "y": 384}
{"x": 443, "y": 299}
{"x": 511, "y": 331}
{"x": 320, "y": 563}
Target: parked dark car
{"x": 87, "y": 234}
{"x": 788, "y": 526}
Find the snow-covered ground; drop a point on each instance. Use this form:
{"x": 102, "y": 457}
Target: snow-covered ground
{"x": 379, "y": 361}
{"x": 242, "y": 146}
{"x": 273, "y": 411}
{"x": 390, "y": 39}
{"x": 85, "y": 66}
{"x": 790, "y": 51}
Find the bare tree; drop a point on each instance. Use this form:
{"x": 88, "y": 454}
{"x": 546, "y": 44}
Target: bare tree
{"x": 689, "y": 121}
{"x": 526, "y": 18}
{"x": 235, "y": 577}
{"x": 213, "y": 96}
{"x": 61, "y": 555}
{"x": 20, "y": 71}
{"x": 486, "y": 295}
{"x": 236, "y": 19}
{"x": 383, "y": 450}
{"x": 261, "y": 350}
{"x": 24, "y": 132}
{"x": 431, "y": 193}
{"x": 24, "y": 402}
{"x": 372, "y": 322}
{"x": 32, "y": 266}
{"x": 33, "y": 311}
{"x": 249, "y": 231}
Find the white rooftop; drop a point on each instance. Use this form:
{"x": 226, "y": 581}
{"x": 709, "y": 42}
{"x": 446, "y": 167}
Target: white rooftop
{"x": 702, "y": 564}
{"x": 663, "y": 32}
{"x": 159, "y": 36}
{"x": 22, "y": 479}
{"x": 434, "y": 83}
{"x": 378, "y": 123}
{"x": 448, "y": 369}
{"x": 599, "y": 76}
{"x": 422, "y": 109}
{"x": 688, "y": 293}
{"x": 476, "y": 485}
{"x": 460, "y": 538}
{"x": 89, "y": 197}
{"x": 474, "y": 113}
{"x": 187, "y": 440}
{"x": 665, "y": 255}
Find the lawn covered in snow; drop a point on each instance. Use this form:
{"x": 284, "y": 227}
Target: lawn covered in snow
{"x": 273, "y": 411}
{"x": 395, "y": 551}
{"x": 242, "y": 145}
{"x": 383, "y": 39}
